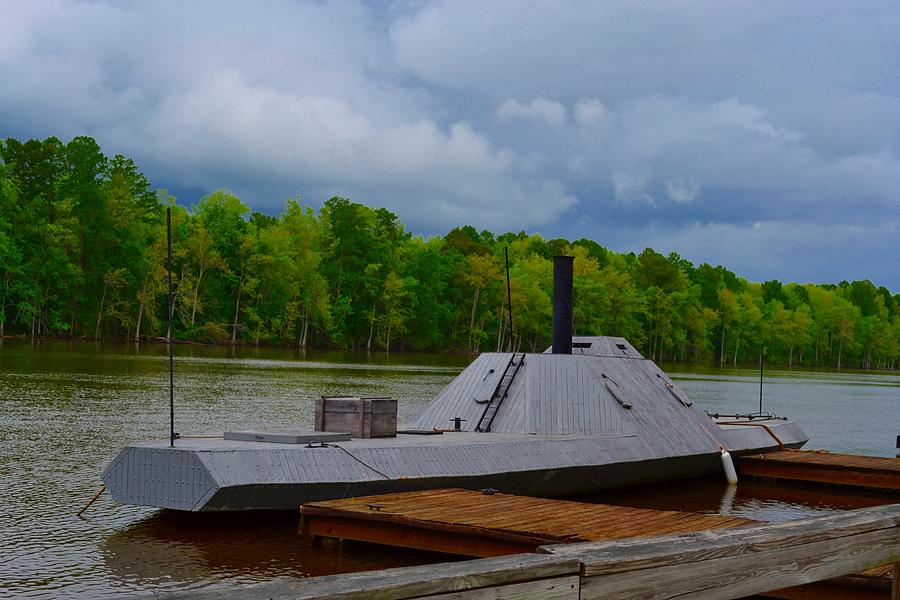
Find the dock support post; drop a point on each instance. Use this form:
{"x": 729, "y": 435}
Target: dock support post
{"x": 895, "y": 582}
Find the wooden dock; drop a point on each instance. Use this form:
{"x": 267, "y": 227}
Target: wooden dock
{"x": 720, "y": 564}
{"x": 824, "y": 467}
{"x": 472, "y": 523}
{"x": 734, "y": 563}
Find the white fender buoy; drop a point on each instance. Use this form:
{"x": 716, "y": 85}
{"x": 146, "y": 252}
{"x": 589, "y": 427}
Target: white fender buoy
{"x": 728, "y": 465}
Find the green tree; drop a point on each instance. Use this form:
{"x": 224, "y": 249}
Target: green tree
{"x": 531, "y": 281}
{"x": 358, "y": 244}
{"x": 729, "y": 311}
{"x": 843, "y": 321}
{"x": 222, "y": 220}
{"x": 801, "y": 323}
{"x": 482, "y": 270}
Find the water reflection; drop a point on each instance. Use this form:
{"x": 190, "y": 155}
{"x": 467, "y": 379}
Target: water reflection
{"x": 749, "y": 499}
{"x": 181, "y": 550}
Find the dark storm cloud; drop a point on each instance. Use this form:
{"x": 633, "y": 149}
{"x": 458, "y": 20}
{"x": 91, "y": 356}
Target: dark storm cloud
{"x": 763, "y": 136}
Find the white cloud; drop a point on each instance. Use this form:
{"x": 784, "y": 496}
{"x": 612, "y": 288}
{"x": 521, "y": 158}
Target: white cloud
{"x": 631, "y": 189}
{"x": 652, "y": 124}
{"x": 226, "y": 124}
{"x": 732, "y": 114}
{"x": 539, "y": 109}
{"x": 498, "y": 204}
{"x": 591, "y": 112}
{"x": 682, "y": 190}
{"x": 229, "y": 120}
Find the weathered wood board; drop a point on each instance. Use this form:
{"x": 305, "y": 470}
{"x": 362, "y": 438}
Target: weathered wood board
{"x": 360, "y": 417}
{"x": 561, "y": 588}
{"x": 471, "y": 523}
{"x": 825, "y": 467}
{"x": 739, "y": 562}
{"x": 872, "y": 584}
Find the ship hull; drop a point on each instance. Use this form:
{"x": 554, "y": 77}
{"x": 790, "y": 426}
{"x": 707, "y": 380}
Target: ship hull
{"x": 219, "y": 475}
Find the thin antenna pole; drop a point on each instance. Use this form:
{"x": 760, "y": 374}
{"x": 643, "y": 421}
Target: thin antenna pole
{"x": 761, "y": 353}
{"x": 171, "y": 345}
{"x": 509, "y": 297}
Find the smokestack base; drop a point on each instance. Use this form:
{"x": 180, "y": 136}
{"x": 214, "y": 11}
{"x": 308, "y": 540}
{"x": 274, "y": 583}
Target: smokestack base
{"x": 562, "y": 304}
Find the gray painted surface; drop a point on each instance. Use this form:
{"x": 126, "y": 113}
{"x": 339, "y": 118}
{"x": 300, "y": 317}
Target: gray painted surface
{"x": 559, "y": 432}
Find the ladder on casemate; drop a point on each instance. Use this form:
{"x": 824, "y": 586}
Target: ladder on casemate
{"x": 509, "y": 374}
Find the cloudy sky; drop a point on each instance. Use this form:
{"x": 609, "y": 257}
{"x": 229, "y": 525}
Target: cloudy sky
{"x": 764, "y": 136}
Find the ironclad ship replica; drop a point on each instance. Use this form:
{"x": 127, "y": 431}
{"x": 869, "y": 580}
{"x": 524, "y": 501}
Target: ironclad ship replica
{"x": 589, "y": 414}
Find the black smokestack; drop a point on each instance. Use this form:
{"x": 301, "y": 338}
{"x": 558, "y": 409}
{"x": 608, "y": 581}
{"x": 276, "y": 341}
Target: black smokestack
{"x": 562, "y": 304}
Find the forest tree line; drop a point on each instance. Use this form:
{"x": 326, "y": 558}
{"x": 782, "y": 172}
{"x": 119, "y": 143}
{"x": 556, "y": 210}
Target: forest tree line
{"x": 83, "y": 255}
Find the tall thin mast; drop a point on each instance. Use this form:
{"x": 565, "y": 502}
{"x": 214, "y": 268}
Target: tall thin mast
{"x": 762, "y": 350}
{"x": 509, "y": 299}
{"x": 170, "y": 341}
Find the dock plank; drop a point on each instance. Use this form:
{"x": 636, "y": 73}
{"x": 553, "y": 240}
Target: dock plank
{"x": 643, "y": 553}
{"x": 825, "y": 467}
{"x": 562, "y": 588}
{"x": 734, "y": 563}
{"x": 471, "y": 523}
{"x": 746, "y": 575}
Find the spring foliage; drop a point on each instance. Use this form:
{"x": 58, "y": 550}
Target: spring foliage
{"x": 83, "y": 255}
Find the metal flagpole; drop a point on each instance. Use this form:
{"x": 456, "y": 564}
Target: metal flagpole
{"x": 170, "y": 341}
{"x": 761, "y": 353}
{"x": 509, "y": 299}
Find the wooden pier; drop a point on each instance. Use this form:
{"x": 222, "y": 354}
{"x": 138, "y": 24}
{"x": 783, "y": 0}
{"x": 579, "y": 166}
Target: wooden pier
{"x": 473, "y": 523}
{"x": 733, "y": 563}
{"x": 718, "y": 564}
{"x": 824, "y": 467}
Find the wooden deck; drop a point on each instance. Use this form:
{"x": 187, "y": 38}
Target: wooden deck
{"x": 722, "y": 564}
{"x": 471, "y": 523}
{"x": 824, "y": 467}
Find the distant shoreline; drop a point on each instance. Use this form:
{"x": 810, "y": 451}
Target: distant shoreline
{"x": 160, "y": 342}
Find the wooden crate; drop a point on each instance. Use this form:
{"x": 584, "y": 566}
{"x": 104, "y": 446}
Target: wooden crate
{"x": 360, "y": 417}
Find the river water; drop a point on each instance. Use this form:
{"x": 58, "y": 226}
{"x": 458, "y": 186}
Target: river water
{"x": 67, "y": 408}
